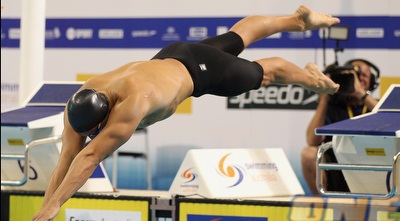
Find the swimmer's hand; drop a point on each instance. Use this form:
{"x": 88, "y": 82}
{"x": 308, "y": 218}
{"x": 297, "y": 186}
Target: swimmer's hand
{"x": 46, "y": 213}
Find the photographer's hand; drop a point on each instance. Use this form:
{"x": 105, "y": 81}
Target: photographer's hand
{"x": 362, "y": 95}
{"x": 359, "y": 91}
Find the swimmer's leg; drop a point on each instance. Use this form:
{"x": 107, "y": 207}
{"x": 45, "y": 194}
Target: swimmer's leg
{"x": 257, "y": 27}
{"x": 229, "y": 42}
{"x": 280, "y": 71}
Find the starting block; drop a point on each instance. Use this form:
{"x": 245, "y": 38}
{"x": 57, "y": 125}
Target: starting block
{"x": 30, "y": 141}
{"x": 367, "y": 148}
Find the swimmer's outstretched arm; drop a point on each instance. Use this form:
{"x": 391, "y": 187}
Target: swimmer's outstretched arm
{"x": 76, "y": 165}
{"x": 72, "y": 144}
{"x": 257, "y": 27}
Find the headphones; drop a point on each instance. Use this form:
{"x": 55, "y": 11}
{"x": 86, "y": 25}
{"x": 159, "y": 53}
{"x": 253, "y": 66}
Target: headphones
{"x": 375, "y": 72}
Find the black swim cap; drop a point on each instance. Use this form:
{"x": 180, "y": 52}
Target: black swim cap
{"x": 87, "y": 109}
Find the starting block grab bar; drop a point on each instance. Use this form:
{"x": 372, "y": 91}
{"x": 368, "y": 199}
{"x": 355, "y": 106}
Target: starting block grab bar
{"x": 25, "y": 157}
{"x": 393, "y": 169}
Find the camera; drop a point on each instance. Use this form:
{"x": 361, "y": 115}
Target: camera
{"x": 342, "y": 75}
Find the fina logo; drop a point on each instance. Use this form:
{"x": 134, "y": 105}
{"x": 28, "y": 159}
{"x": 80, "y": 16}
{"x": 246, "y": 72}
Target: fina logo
{"x": 231, "y": 172}
{"x": 189, "y": 175}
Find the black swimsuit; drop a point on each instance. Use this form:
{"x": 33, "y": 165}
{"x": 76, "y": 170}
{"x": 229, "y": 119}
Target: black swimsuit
{"x": 214, "y": 65}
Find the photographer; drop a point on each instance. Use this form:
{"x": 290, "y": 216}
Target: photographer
{"x": 357, "y": 79}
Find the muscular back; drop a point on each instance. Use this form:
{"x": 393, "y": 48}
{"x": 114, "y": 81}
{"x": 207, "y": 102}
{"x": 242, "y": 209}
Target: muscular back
{"x": 152, "y": 90}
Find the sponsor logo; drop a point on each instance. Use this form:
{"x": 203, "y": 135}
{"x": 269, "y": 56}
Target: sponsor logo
{"x": 300, "y": 35}
{"x": 94, "y": 215}
{"x": 14, "y": 33}
{"x": 203, "y": 67}
{"x": 305, "y": 208}
{"x": 275, "y": 36}
{"x": 222, "y": 29}
{"x": 396, "y": 33}
{"x": 187, "y": 186}
{"x": 9, "y": 95}
{"x": 171, "y": 35}
{"x": 111, "y": 34}
{"x": 3, "y": 35}
{"x": 196, "y": 217}
{"x": 230, "y": 171}
{"x": 74, "y": 33}
{"x": 317, "y": 208}
{"x": 370, "y": 33}
{"x": 52, "y": 34}
{"x": 189, "y": 175}
{"x": 143, "y": 33}
{"x": 197, "y": 33}
{"x": 9, "y": 87}
{"x": 275, "y": 97}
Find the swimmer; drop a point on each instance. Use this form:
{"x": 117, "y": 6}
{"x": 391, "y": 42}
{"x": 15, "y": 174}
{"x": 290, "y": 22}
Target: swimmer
{"x": 110, "y": 107}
